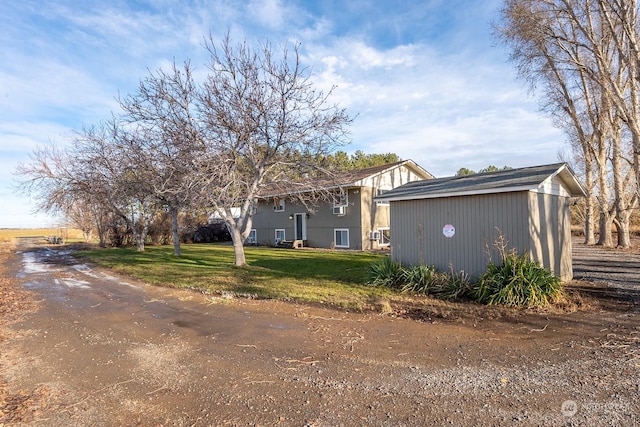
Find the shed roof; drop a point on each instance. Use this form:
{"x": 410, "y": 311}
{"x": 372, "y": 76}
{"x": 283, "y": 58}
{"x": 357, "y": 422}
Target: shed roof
{"x": 531, "y": 178}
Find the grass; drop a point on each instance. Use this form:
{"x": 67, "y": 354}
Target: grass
{"x": 329, "y": 277}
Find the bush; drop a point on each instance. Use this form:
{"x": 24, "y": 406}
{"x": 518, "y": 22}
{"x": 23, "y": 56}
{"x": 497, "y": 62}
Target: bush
{"x": 387, "y": 273}
{"x": 518, "y": 281}
{"x": 418, "y": 280}
{"x": 210, "y": 233}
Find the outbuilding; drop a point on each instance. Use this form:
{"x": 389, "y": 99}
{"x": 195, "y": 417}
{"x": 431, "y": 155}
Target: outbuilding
{"x": 457, "y": 223}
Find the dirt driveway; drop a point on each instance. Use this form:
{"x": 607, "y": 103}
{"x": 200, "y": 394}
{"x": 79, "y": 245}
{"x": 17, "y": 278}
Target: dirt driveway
{"x": 102, "y": 350}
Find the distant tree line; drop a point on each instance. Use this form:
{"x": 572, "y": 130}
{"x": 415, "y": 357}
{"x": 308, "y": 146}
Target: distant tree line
{"x": 490, "y": 168}
{"x": 340, "y": 160}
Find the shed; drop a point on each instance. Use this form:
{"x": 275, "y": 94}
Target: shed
{"x": 454, "y": 222}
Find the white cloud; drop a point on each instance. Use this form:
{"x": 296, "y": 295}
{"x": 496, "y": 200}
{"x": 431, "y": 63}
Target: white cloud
{"x": 269, "y": 13}
{"x": 444, "y": 110}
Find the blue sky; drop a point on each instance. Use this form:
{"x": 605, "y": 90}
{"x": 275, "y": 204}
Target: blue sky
{"x": 425, "y": 78}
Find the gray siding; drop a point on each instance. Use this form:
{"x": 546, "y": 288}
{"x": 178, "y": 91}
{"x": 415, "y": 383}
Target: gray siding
{"x": 533, "y": 223}
{"x": 417, "y": 230}
{"x": 550, "y": 231}
{"x": 320, "y": 224}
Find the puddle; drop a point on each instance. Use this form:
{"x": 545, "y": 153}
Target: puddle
{"x": 32, "y": 264}
{"x": 73, "y": 283}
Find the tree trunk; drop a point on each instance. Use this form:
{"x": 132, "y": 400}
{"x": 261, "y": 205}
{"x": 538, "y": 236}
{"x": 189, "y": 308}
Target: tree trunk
{"x": 238, "y": 247}
{"x": 605, "y": 238}
{"x": 606, "y": 216}
{"x": 140, "y": 236}
{"x": 87, "y": 234}
{"x": 177, "y": 250}
{"x": 140, "y": 233}
{"x": 589, "y": 226}
{"x": 620, "y": 193}
{"x": 103, "y": 229}
{"x": 622, "y": 227}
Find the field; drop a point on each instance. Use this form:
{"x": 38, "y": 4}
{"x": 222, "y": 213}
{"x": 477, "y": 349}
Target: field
{"x": 8, "y": 234}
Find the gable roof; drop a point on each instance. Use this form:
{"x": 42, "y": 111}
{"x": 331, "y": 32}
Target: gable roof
{"x": 531, "y": 178}
{"x": 353, "y": 178}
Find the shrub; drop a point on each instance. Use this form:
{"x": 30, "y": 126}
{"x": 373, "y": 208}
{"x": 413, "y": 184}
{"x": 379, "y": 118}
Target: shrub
{"x": 418, "y": 280}
{"x": 387, "y": 273}
{"x": 452, "y": 286}
{"x": 518, "y": 281}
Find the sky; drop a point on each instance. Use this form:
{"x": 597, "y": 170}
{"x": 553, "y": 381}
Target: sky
{"x": 424, "y": 79}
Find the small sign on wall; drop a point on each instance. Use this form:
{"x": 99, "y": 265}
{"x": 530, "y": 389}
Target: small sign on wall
{"x": 449, "y": 231}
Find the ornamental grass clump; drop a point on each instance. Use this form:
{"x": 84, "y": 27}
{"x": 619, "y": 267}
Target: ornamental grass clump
{"x": 517, "y": 281}
{"x": 387, "y": 273}
{"x": 418, "y": 280}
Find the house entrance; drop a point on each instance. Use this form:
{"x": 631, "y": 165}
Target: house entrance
{"x": 300, "y": 224}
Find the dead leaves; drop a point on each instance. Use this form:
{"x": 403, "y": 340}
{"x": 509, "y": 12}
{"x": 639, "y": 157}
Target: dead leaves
{"x": 22, "y": 406}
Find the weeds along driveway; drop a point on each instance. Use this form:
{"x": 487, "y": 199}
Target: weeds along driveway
{"x": 104, "y": 350}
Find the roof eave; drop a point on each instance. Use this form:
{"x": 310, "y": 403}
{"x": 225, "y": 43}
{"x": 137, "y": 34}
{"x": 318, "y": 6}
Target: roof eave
{"x": 455, "y": 194}
{"x": 576, "y": 189}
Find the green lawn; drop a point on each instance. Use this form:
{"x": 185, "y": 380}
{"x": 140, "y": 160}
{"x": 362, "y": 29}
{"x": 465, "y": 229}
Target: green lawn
{"x": 330, "y": 277}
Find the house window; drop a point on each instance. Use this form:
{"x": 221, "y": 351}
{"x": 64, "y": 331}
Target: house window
{"x": 380, "y": 192}
{"x": 279, "y": 235}
{"x": 385, "y": 237}
{"x": 278, "y": 205}
{"x": 341, "y": 199}
{"x": 341, "y": 237}
{"x": 340, "y": 203}
{"x": 253, "y": 237}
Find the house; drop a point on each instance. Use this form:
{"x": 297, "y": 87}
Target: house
{"x": 353, "y": 221}
{"x": 453, "y": 223}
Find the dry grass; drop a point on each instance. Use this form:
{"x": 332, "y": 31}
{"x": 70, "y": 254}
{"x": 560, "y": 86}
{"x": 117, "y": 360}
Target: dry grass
{"x": 16, "y": 406}
{"x": 8, "y": 234}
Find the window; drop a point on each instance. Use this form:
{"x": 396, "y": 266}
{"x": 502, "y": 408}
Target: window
{"x": 341, "y": 237}
{"x": 279, "y": 235}
{"x": 380, "y": 192}
{"x": 253, "y": 237}
{"x": 385, "y": 237}
{"x": 341, "y": 199}
{"x": 278, "y": 205}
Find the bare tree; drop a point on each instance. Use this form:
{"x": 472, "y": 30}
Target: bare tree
{"x": 111, "y": 167}
{"x": 265, "y": 128}
{"x": 163, "y": 108}
{"x": 48, "y": 178}
{"x": 578, "y": 53}
{"x": 255, "y": 124}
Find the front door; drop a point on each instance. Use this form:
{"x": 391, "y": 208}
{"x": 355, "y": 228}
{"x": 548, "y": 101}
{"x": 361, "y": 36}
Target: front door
{"x": 300, "y": 224}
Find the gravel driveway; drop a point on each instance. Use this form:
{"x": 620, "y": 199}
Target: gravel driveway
{"x": 103, "y": 350}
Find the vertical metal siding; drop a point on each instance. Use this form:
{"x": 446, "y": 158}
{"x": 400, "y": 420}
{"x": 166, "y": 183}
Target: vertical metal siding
{"x": 550, "y": 233}
{"x": 417, "y": 230}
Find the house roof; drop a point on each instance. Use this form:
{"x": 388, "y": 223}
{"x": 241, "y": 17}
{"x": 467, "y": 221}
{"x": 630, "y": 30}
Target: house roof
{"x": 354, "y": 178}
{"x": 531, "y": 178}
